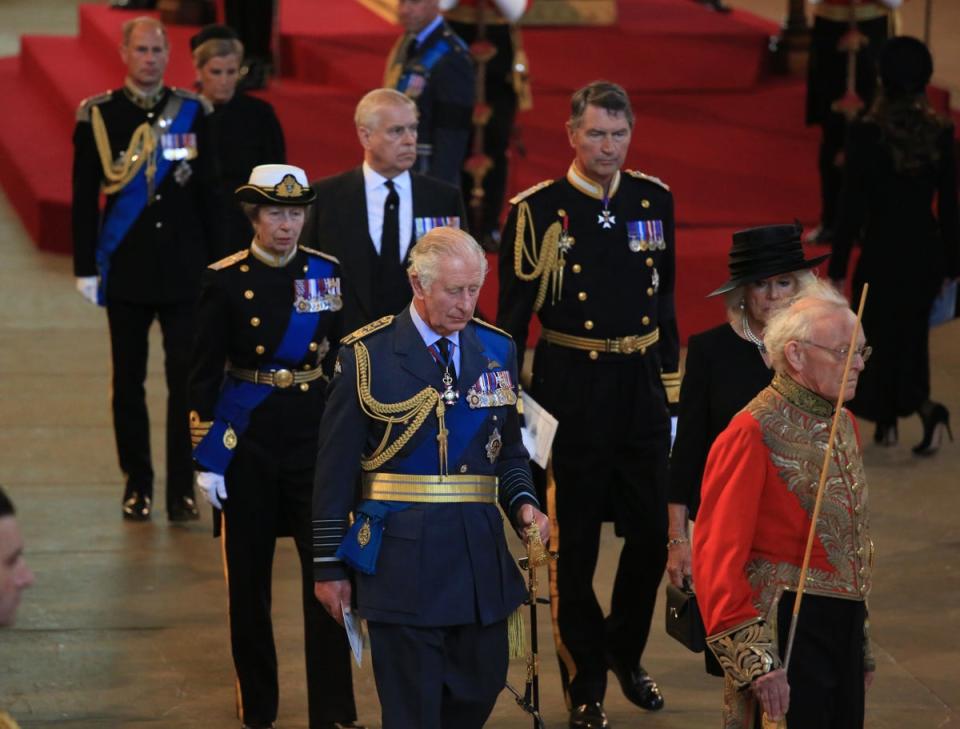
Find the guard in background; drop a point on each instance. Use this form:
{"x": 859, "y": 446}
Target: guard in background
{"x": 267, "y": 317}
{"x": 827, "y": 73}
{"x": 432, "y": 65}
{"x": 592, "y": 254}
{"x": 147, "y": 148}
{"x": 423, "y": 405}
{"x": 489, "y": 28}
{"x": 247, "y": 130}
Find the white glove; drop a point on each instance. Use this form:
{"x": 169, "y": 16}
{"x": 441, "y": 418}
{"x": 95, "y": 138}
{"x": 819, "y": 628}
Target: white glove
{"x": 87, "y": 286}
{"x": 213, "y": 488}
{"x": 673, "y": 429}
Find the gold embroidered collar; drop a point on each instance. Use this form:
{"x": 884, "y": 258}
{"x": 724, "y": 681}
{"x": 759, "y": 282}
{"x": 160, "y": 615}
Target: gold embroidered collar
{"x": 144, "y": 99}
{"x": 272, "y": 259}
{"x": 805, "y": 399}
{"x": 588, "y": 186}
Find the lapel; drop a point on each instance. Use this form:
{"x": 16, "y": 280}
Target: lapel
{"x": 412, "y": 352}
{"x": 472, "y": 359}
{"x": 357, "y": 254}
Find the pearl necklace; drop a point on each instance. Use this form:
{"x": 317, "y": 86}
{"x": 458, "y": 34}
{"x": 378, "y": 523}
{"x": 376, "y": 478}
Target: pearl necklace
{"x": 748, "y": 333}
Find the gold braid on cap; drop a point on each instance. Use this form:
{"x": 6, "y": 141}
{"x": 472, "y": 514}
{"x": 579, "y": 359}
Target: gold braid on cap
{"x": 414, "y": 411}
{"x": 141, "y": 150}
{"x": 547, "y": 263}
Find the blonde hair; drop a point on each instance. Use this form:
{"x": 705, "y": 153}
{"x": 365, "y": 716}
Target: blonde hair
{"x": 128, "y": 27}
{"x": 794, "y": 322}
{"x": 367, "y": 114}
{"x": 735, "y": 299}
{"x": 216, "y": 48}
{"x": 440, "y": 243}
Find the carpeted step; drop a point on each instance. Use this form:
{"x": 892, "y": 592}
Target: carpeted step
{"x": 35, "y": 158}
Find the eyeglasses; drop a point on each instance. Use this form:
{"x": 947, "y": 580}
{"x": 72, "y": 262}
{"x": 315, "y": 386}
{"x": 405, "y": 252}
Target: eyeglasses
{"x": 865, "y": 351}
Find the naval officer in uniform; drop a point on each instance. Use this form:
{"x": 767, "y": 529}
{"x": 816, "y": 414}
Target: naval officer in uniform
{"x": 146, "y": 147}
{"x": 593, "y": 255}
{"x": 423, "y": 412}
{"x": 266, "y": 318}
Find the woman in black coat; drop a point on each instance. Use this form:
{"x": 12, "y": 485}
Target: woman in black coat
{"x": 899, "y": 160}
{"x": 727, "y": 366}
{"x": 246, "y": 129}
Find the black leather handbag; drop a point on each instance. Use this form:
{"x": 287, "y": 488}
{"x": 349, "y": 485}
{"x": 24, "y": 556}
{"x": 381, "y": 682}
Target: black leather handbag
{"x": 683, "y": 617}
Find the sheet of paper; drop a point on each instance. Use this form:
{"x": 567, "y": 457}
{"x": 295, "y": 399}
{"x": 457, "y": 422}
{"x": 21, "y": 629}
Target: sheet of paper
{"x": 539, "y": 431}
{"x": 351, "y": 621}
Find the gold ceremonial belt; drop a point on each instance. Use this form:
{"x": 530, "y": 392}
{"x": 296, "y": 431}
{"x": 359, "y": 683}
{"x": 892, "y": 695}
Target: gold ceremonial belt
{"x": 841, "y": 13}
{"x": 620, "y": 345}
{"x": 455, "y": 489}
{"x": 469, "y": 14}
{"x": 280, "y": 379}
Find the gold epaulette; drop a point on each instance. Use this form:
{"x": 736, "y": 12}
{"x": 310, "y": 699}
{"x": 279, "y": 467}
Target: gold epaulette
{"x": 83, "y": 110}
{"x": 488, "y": 325}
{"x": 649, "y": 178}
{"x": 529, "y": 191}
{"x": 203, "y": 101}
{"x": 367, "y": 329}
{"x": 230, "y": 260}
{"x": 321, "y": 254}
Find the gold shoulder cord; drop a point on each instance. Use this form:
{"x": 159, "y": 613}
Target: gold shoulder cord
{"x": 414, "y": 411}
{"x": 141, "y": 150}
{"x": 548, "y": 260}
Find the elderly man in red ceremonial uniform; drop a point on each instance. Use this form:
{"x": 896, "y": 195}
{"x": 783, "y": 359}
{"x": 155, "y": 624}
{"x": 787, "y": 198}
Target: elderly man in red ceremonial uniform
{"x": 759, "y": 490}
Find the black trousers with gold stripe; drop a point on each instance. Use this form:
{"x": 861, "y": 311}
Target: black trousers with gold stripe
{"x": 267, "y": 497}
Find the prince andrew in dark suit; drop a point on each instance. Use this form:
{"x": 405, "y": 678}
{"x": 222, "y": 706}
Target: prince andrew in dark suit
{"x": 371, "y": 216}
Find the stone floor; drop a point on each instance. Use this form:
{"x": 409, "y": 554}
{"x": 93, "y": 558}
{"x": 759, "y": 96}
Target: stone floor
{"x": 126, "y": 624}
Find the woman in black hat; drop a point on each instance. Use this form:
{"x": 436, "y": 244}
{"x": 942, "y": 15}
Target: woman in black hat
{"x": 247, "y": 130}
{"x": 267, "y": 318}
{"x": 899, "y": 159}
{"x": 727, "y": 366}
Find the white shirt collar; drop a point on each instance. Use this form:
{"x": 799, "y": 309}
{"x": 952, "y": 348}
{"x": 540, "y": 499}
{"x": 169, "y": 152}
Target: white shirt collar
{"x": 429, "y": 336}
{"x": 373, "y": 179}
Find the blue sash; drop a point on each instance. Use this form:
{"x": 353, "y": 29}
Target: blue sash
{"x": 424, "y": 64}
{"x": 239, "y": 399}
{"x": 463, "y": 422}
{"x": 132, "y": 199}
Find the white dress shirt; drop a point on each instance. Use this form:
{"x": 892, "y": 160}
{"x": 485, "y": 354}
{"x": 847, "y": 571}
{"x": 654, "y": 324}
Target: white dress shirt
{"x": 375, "y": 185}
{"x": 430, "y": 338}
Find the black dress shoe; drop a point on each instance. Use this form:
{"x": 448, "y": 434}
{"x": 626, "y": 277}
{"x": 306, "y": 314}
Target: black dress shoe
{"x": 136, "y": 507}
{"x": 638, "y": 687}
{"x": 936, "y": 422}
{"x": 183, "y": 508}
{"x": 589, "y": 716}
{"x": 885, "y": 435}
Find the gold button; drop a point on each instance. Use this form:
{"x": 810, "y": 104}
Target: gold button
{"x": 304, "y": 269}
{"x": 248, "y": 294}
{"x": 650, "y": 291}
{"x": 463, "y": 468}
{"x": 244, "y": 268}
{"x": 860, "y": 552}
{"x": 255, "y": 321}
{"x": 857, "y": 509}
{"x": 588, "y": 324}
{"x": 576, "y": 268}
{"x": 594, "y": 354}
{"x": 644, "y": 203}
{"x": 645, "y": 320}
{"x": 304, "y": 386}
{"x": 862, "y": 571}
{"x": 649, "y": 262}
{"x": 863, "y": 589}
{"x": 313, "y": 346}
{"x": 855, "y": 486}
{"x": 849, "y": 467}
{"x": 562, "y": 213}
{"x": 859, "y": 528}
{"x": 260, "y": 349}
{"x": 306, "y": 367}
{"x": 582, "y": 296}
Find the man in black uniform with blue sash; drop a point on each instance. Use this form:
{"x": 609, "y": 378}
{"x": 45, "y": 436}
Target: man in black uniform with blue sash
{"x": 593, "y": 255}
{"x": 432, "y": 65}
{"x": 424, "y": 406}
{"x": 146, "y": 147}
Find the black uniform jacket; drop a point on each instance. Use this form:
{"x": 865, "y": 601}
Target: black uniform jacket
{"x": 439, "y": 564}
{"x": 179, "y": 232}
{"x": 444, "y": 93}
{"x": 245, "y": 308}
{"x": 605, "y": 289}
{"x": 338, "y": 225}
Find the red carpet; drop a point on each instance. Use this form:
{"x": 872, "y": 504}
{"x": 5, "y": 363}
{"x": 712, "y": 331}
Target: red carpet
{"x": 728, "y": 139}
